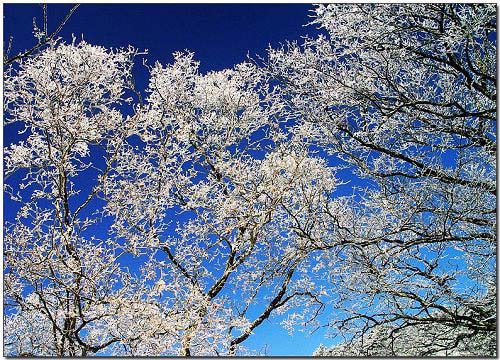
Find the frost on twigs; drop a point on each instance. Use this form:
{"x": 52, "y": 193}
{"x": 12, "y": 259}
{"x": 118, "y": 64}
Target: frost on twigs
{"x": 345, "y": 183}
{"x": 404, "y": 96}
{"x": 205, "y": 147}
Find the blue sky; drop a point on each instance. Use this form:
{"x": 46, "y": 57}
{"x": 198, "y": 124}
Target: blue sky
{"x": 220, "y": 35}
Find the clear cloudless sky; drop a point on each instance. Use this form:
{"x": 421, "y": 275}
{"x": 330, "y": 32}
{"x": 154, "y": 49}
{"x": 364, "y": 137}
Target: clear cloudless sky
{"x": 220, "y": 35}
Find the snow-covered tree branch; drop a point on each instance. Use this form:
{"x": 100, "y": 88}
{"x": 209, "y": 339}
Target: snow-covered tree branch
{"x": 346, "y": 182}
{"x": 405, "y": 96}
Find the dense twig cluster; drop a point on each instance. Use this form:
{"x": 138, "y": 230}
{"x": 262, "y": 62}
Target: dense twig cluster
{"x": 226, "y": 191}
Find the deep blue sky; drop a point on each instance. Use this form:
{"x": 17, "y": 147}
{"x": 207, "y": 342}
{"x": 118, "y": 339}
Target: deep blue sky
{"x": 221, "y": 35}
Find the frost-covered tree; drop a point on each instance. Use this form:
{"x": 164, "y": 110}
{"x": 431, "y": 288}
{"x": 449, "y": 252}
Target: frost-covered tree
{"x": 61, "y": 274}
{"x": 200, "y": 184}
{"x": 212, "y": 152}
{"x": 405, "y": 97}
{"x": 176, "y": 221}
{"x": 417, "y": 341}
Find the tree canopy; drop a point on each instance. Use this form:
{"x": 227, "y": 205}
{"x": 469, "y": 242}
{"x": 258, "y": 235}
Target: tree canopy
{"x": 347, "y": 181}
